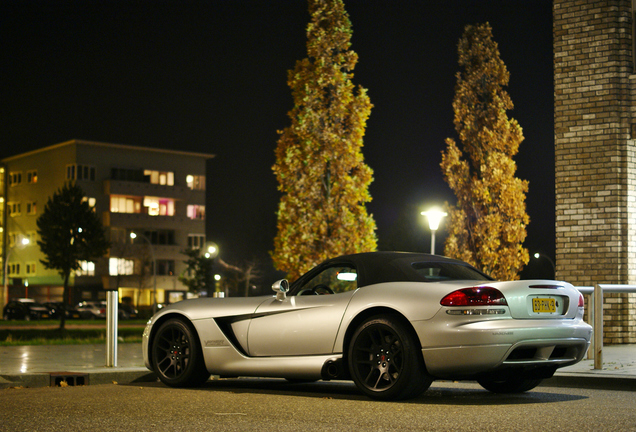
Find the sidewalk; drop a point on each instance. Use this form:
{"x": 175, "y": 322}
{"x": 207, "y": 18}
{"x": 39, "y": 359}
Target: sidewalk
{"x": 46, "y": 365}
{"x": 618, "y": 373}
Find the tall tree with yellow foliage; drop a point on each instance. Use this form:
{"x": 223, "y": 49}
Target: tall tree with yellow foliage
{"x": 488, "y": 223}
{"x": 319, "y": 163}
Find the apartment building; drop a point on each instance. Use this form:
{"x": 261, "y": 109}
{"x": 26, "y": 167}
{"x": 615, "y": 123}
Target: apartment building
{"x": 156, "y": 196}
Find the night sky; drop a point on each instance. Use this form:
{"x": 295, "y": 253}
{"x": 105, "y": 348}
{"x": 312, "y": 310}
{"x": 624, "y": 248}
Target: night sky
{"x": 211, "y": 77}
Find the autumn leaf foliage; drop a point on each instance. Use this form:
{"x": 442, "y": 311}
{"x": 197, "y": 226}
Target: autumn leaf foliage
{"x": 319, "y": 163}
{"x": 488, "y": 223}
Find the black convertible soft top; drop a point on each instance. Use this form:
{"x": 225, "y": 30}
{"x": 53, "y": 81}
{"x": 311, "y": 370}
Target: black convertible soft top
{"x": 381, "y": 267}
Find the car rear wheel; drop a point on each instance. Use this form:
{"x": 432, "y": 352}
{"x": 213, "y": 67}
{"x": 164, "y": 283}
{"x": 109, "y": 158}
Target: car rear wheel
{"x": 385, "y": 361}
{"x": 177, "y": 358}
{"x": 513, "y": 385}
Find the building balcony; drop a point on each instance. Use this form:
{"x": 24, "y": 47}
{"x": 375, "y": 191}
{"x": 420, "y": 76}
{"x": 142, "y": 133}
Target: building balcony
{"x": 131, "y": 188}
{"x": 137, "y": 220}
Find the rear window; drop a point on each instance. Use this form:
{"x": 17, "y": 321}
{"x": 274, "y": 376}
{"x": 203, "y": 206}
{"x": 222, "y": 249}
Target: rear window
{"x": 439, "y": 271}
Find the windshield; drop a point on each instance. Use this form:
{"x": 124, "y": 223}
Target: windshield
{"x": 439, "y": 271}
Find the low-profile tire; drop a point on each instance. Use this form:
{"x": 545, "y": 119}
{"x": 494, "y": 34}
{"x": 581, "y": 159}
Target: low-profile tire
{"x": 385, "y": 361}
{"x": 177, "y": 358}
{"x": 512, "y": 385}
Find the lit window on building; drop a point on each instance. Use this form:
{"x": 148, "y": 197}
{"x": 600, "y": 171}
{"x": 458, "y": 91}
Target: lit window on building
{"x": 195, "y": 182}
{"x": 32, "y": 176}
{"x": 159, "y": 206}
{"x": 196, "y": 212}
{"x": 87, "y": 268}
{"x": 165, "y": 178}
{"x": 120, "y": 266}
{"x": 125, "y": 204}
{"x": 91, "y": 201}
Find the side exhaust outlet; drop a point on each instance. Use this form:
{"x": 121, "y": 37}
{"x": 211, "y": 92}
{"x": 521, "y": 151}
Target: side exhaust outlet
{"x": 332, "y": 369}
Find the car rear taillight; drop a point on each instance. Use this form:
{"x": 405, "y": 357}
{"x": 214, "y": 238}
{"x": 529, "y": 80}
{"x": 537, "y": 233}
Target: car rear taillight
{"x": 479, "y": 296}
{"x": 581, "y": 300}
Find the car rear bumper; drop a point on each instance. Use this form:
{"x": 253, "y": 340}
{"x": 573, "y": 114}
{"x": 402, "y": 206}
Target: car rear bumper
{"x": 472, "y": 348}
{"x": 466, "y": 361}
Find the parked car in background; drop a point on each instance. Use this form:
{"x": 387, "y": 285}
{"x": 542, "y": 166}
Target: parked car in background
{"x": 92, "y": 309}
{"x": 25, "y": 309}
{"x": 127, "y": 311}
{"x": 97, "y": 310}
{"x": 57, "y": 308}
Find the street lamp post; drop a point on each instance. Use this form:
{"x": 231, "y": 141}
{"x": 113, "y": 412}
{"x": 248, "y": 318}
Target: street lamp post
{"x": 211, "y": 252}
{"x": 154, "y": 269}
{"x": 434, "y": 217}
{"x": 538, "y": 255}
{"x": 5, "y": 290}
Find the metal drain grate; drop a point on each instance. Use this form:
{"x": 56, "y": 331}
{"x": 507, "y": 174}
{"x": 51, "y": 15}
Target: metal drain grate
{"x": 70, "y": 378}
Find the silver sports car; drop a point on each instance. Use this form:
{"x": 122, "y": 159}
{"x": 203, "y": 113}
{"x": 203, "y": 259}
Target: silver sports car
{"x": 391, "y": 322}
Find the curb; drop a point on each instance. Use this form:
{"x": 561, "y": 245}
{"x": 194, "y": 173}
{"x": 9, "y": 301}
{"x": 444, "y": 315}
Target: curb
{"x": 53, "y": 379}
{"x": 143, "y": 375}
{"x": 591, "y": 381}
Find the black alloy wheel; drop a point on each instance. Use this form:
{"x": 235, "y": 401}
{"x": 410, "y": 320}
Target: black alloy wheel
{"x": 177, "y": 358}
{"x": 385, "y": 361}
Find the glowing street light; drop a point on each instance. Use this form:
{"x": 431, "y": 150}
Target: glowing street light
{"x": 537, "y": 255}
{"x": 434, "y": 217}
{"x": 212, "y": 251}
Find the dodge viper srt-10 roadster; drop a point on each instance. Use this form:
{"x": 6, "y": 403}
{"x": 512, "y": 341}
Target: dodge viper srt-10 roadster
{"x": 390, "y": 321}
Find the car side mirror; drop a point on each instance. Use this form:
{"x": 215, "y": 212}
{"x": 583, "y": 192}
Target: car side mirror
{"x": 281, "y": 287}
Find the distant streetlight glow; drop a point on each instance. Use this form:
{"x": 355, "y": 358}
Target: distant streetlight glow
{"x": 434, "y": 217}
{"x": 212, "y": 250}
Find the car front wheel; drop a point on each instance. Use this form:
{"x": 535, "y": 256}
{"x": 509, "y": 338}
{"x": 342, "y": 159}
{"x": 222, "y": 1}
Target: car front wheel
{"x": 177, "y": 358}
{"x": 385, "y": 361}
{"x": 513, "y": 385}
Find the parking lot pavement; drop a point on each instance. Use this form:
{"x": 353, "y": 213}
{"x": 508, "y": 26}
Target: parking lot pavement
{"x": 45, "y": 365}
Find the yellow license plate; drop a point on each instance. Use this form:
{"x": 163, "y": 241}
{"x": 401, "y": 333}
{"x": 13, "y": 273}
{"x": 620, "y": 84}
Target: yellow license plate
{"x": 543, "y": 305}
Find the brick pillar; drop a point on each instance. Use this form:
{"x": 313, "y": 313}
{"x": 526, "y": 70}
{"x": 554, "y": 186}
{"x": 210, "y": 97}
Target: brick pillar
{"x": 595, "y": 132}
